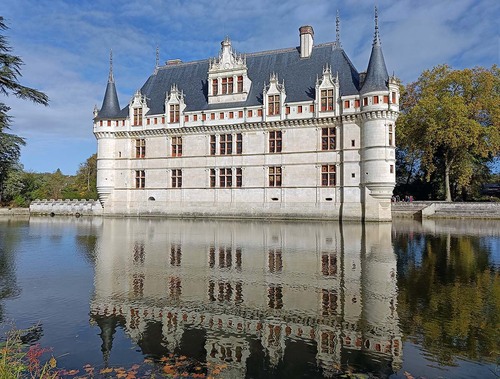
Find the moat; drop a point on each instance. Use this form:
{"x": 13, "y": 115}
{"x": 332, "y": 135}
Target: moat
{"x": 266, "y": 299}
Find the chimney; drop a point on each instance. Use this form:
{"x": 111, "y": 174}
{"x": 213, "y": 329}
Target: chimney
{"x": 306, "y": 41}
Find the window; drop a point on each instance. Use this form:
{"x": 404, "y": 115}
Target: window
{"x": 176, "y": 146}
{"x": 163, "y": 120}
{"x": 275, "y": 260}
{"x": 328, "y": 264}
{"x": 239, "y": 143}
{"x": 356, "y": 103}
{"x": 299, "y": 109}
{"x": 391, "y": 169}
{"x": 275, "y": 176}
{"x": 195, "y": 117}
{"x": 100, "y": 123}
{"x": 375, "y": 99}
{"x": 156, "y": 120}
{"x": 140, "y": 179}
{"x": 311, "y": 108}
{"x": 231, "y": 114}
{"x": 215, "y": 85}
{"x": 287, "y": 110}
{"x": 259, "y": 112}
{"x": 274, "y": 105}
{"x": 386, "y": 99}
{"x": 239, "y": 177}
{"x": 176, "y": 178}
{"x": 275, "y": 141}
{"x": 365, "y": 101}
{"x": 328, "y": 139}
{"x": 213, "y": 144}
{"x": 230, "y": 85}
{"x": 226, "y": 144}
{"x": 140, "y": 148}
{"x": 203, "y": 117}
{"x": 186, "y": 118}
{"x": 249, "y": 114}
{"x": 240, "y": 114}
{"x": 391, "y": 135}
{"x": 328, "y": 175}
{"x": 225, "y": 177}
{"x": 109, "y": 122}
{"x": 212, "y": 116}
{"x": 212, "y": 177}
{"x": 347, "y": 104}
{"x": 148, "y": 121}
{"x": 224, "y": 86}
{"x": 393, "y": 100}
{"x": 174, "y": 113}
{"x": 137, "y": 116}
{"x": 240, "y": 84}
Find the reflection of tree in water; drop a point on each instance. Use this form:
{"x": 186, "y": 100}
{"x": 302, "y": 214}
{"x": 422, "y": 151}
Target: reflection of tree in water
{"x": 86, "y": 246}
{"x": 8, "y": 243}
{"x": 449, "y": 296}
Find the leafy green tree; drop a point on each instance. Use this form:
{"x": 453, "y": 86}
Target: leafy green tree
{"x": 450, "y": 121}
{"x": 10, "y": 71}
{"x": 86, "y": 178}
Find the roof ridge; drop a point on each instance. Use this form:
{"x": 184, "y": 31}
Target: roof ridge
{"x": 253, "y": 54}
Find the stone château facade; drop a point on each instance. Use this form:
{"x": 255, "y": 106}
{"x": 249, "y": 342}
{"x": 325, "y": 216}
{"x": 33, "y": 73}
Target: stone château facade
{"x": 290, "y": 133}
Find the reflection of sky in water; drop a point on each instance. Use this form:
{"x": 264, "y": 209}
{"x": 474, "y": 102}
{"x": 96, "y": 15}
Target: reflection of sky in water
{"x": 493, "y": 245}
{"x": 278, "y": 274}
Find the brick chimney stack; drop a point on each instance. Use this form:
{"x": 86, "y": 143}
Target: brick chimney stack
{"x": 306, "y": 41}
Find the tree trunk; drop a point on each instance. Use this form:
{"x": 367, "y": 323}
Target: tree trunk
{"x": 447, "y": 166}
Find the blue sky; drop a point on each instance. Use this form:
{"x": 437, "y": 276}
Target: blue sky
{"x": 65, "y": 47}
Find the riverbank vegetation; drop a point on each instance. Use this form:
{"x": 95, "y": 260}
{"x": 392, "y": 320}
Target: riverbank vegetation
{"x": 21, "y": 187}
{"x": 21, "y": 357}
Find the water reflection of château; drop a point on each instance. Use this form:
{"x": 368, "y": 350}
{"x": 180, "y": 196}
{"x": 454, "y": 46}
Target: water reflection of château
{"x": 241, "y": 292}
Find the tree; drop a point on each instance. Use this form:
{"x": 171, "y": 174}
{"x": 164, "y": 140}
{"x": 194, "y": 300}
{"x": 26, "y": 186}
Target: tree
{"x": 450, "y": 120}
{"x": 10, "y": 71}
{"x": 86, "y": 178}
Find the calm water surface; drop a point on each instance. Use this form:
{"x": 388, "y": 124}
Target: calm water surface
{"x": 268, "y": 299}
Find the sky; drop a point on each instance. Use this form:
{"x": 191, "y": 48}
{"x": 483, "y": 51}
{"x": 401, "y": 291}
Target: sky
{"x": 65, "y": 46}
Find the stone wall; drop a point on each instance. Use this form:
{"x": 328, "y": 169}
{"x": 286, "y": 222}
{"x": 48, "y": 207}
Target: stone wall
{"x": 66, "y": 207}
{"x": 430, "y": 209}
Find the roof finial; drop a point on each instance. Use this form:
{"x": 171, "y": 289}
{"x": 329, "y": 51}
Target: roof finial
{"x": 337, "y": 29}
{"x": 111, "y": 79}
{"x": 157, "y": 64}
{"x": 376, "y": 38}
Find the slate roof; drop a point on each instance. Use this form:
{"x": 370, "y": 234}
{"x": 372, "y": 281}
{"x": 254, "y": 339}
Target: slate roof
{"x": 110, "y": 106}
{"x": 299, "y": 75}
{"x": 376, "y": 75}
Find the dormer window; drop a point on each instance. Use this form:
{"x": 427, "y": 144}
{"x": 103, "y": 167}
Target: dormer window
{"x": 327, "y": 87}
{"x": 327, "y": 100}
{"x": 174, "y": 105}
{"x": 215, "y": 87}
{"x": 240, "y": 83}
{"x": 228, "y": 75}
{"x": 273, "y": 105}
{"x": 274, "y": 96}
{"x": 174, "y": 113}
{"x": 137, "y": 116}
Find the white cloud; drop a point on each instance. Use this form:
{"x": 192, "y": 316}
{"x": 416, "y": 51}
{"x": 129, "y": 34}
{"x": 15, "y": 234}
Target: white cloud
{"x": 65, "y": 46}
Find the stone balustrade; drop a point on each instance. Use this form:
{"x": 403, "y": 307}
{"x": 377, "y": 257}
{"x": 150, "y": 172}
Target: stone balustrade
{"x": 66, "y": 207}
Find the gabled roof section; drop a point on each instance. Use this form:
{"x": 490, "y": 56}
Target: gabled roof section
{"x": 298, "y": 74}
{"x": 376, "y": 75}
{"x": 110, "y": 106}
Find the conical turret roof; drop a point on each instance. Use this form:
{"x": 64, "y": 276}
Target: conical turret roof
{"x": 376, "y": 75}
{"x": 110, "y": 106}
